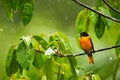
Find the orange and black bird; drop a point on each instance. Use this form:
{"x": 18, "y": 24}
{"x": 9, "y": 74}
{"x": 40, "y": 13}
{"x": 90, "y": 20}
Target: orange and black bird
{"x": 87, "y": 46}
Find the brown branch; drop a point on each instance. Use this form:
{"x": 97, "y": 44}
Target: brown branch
{"x": 97, "y": 12}
{"x": 111, "y": 6}
{"x": 80, "y": 54}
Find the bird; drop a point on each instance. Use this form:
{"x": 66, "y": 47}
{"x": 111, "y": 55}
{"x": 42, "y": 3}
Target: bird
{"x": 87, "y": 45}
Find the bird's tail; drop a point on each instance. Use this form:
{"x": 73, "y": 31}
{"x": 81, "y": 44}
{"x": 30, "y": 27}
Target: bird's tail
{"x": 90, "y": 59}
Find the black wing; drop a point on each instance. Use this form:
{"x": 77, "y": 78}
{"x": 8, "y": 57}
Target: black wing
{"x": 92, "y": 44}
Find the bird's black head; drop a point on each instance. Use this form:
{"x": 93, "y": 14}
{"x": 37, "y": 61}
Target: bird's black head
{"x": 83, "y": 34}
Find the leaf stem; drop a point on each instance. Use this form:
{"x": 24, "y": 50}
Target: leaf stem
{"x": 111, "y": 6}
{"x": 97, "y": 12}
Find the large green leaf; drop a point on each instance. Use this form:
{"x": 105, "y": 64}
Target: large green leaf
{"x": 41, "y": 41}
{"x": 82, "y": 21}
{"x": 93, "y": 18}
{"x": 99, "y": 27}
{"x": 118, "y": 49}
{"x": 62, "y": 76}
{"x": 12, "y": 64}
{"x": 26, "y": 10}
{"x": 98, "y": 4}
{"x": 25, "y": 55}
{"x": 105, "y": 11}
{"x": 38, "y": 60}
{"x": 11, "y": 7}
{"x": 73, "y": 64}
{"x": 64, "y": 43}
{"x": 60, "y": 42}
{"x": 49, "y": 68}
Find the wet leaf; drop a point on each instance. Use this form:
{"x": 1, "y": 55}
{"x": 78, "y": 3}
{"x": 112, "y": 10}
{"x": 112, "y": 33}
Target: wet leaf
{"x": 26, "y": 10}
{"x": 107, "y": 22}
{"x": 49, "y": 68}
{"x": 98, "y": 4}
{"x": 9, "y": 8}
{"x": 38, "y": 60}
{"x": 25, "y": 55}
{"x": 62, "y": 42}
{"x": 12, "y": 64}
{"x": 73, "y": 64}
{"x": 41, "y": 41}
{"x": 93, "y": 18}
{"x": 59, "y": 42}
{"x": 82, "y": 21}
{"x": 62, "y": 76}
{"x": 117, "y": 50}
{"x": 65, "y": 44}
{"x": 99, "y": 27}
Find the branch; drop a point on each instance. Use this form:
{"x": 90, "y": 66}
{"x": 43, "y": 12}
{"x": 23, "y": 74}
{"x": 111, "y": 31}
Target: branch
{"x": 80, "y": 54}
{"x": 111, "y": 6}
{"x": 97, "y": 12}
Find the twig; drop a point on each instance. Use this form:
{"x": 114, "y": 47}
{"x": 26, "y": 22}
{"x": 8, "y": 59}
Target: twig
{"x": 80, "y": 54}
{"x": 111, "y": 6}
{"x": 97, "y": 12}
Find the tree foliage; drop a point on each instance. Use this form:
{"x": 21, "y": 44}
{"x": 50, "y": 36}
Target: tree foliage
{"x": 24, "y": 55}
{"x": 42, "y": 52}
{"x": 24, "y": 8}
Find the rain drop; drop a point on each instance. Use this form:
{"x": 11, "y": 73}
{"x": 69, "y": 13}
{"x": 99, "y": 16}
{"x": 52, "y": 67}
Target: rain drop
{"x": 110, "y": 58}
{"x": 1, "y": 30}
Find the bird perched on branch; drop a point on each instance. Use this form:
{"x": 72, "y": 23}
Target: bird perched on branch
{"x": 87, "y": 46}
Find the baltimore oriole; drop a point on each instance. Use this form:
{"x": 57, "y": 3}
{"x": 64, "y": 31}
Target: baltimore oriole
{"x": 87, "y": 45}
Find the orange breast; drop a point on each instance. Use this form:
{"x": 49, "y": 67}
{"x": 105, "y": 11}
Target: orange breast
{"x": 86, "y": 43}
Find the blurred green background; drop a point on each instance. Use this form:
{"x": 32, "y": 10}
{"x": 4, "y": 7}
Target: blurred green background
{"x": 59, "y": 15}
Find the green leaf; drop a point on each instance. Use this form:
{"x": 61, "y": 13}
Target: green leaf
{"x": 82, "y": 21}
{"x": 93, "y": 17}
{"x": 41, "y": 41}
{"x": 62, "y": 76}
{"x": 38, "y": 60}
{"x": 99, "y": 27}
{"x": 98, "y": 4}
{"x": 9, "y": 9}
{"x": 61, "y": 42}
{"x": 96, "y": 77}
{"x": 117, "y": 50}
{"x": 25, "y": 55}
{"x": 12, "y": 64}
{"x": 26, "y": 10}
{"x": 73, "y": 64}
{"x": 49, "y": 69}
{"x": 107, "y": 22}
